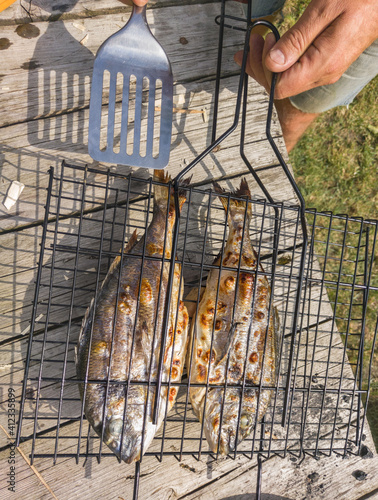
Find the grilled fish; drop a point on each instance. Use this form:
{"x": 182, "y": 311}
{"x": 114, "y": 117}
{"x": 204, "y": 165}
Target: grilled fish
{"x": 229, "y": 334}
{"x": 120, "y": 338}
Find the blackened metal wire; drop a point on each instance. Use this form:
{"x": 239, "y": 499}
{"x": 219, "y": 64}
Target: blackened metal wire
{"x": 342, "y": 281}
{"x": 35, "y": 301}
{"x": 306, "y": 403}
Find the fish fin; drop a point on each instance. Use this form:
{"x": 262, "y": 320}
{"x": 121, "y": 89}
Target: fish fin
{"x": 217, "y": 259}
{"x": 130, "y": 245}
{"x": 83, "y": 340}
{"x": 161, "y": 193}
{"x": 162, "y": 176}
{"x": 184, "y": 184}
{"x": 132, "y": 242}
{"x": 227, "y": 346}
{"x": 112, "y": 267}
{"x": 145, "y": 341}
{"x": 242, "y": 191}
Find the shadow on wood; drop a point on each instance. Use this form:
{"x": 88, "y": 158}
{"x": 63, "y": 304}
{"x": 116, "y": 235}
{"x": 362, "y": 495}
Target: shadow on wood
{"x": 252, "y": 496}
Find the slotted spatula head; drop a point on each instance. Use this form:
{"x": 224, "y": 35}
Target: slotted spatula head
{"x": 132, "y": 55}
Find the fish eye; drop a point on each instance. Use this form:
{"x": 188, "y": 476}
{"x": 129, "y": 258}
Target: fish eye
{"x": 245, "y": 421}
{"x": 115, "y": 426}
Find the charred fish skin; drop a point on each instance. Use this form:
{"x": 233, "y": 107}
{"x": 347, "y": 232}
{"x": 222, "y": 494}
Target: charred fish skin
{"x": 239, "y": 325}
{"x": 120, "y": 339}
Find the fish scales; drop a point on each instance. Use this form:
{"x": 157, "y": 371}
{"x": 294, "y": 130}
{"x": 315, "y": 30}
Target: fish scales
{"x": 134, "y": 357}
{"x": 232, "y": 326}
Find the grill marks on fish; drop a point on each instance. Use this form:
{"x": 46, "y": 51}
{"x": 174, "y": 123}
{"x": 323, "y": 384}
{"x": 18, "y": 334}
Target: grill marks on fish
{"x": 122, "y": 336}
{"x": 232, "y": 322}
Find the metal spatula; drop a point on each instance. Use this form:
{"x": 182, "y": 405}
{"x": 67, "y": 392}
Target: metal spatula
{"x": 131, "y": 54}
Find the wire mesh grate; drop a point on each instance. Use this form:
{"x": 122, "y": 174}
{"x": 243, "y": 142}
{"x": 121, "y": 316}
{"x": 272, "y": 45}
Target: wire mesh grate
{"x": 319, "y": 267}
{"x": 332, "y": 350}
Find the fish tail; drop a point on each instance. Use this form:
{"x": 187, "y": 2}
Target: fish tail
{"x": 161, "y": 193}
{"x": 242, "y": 192}
{"x": 183, "y": 190}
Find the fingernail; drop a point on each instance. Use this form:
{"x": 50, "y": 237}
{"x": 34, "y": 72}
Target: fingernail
{"x": 277, "y": 56}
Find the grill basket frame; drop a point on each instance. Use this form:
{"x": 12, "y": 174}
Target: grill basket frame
{"x": 319, "y": 404}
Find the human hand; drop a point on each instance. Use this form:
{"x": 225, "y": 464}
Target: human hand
{"x": 139, "y": 3}
{"x": 317, "y": 50}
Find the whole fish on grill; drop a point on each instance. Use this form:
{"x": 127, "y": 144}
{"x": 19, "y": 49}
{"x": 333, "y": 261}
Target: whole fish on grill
{"x": 122, "y": 337}
{"x": 233, "y": 327}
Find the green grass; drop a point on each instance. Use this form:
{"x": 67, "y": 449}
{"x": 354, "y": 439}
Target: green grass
{"x": 336, "y": 160}
{"x": 336, "y": 167}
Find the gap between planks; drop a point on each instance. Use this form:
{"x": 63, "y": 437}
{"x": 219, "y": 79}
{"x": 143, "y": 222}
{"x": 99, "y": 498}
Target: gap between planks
{"x": 15, "y": 14}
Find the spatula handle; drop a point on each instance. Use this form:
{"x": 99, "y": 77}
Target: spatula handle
{"x": 139, "y": 11}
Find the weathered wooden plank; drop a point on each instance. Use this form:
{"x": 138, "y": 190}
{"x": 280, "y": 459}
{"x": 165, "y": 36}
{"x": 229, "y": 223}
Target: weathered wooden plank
{"x": 59, "y": 315}
{"x": 117, "y": 479}
{"x": 29, "y": 164}
{"x": 39, "y": 10}
{"x": 22, "y": 164}
{"x": 299, "y": 370}
{"x": 13, "y": 355}
{"x": 310, "y": 479}
{"x": 195, "y": 479}
{"x": 18, "y": 280}
{"x": 51, "y": 73}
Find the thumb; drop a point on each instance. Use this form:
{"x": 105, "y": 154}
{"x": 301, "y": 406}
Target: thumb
{"x": 297, "y": 39}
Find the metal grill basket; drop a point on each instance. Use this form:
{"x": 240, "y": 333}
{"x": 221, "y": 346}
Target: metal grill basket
{"x": 318, "y": 264}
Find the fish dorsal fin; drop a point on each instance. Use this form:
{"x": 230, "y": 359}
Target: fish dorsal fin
{"x": 145, "y": 341}
{"x": 242, "y": 192}
{"x": 217, "y": 259}
{"x": 132, "y": 242}
{"x": 113, "y": 266}
{"x": 222, "y": 355}
{"x": 145, "y": 338}
{"x": 130, "y": 245}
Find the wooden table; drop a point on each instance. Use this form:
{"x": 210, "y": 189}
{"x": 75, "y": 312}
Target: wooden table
{"x": 45, "y": 75}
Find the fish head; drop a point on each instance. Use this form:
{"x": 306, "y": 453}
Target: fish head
{"x": 123, "y": 438}
{"x": 226, "y": 428}
{"x": 121, "y": 428}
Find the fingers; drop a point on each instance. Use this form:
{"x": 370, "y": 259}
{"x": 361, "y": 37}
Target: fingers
{"x": 258, "y": 51}
{"x": 322, "y": 64}
{"x": 139, "y": 3}
{"x": 270, "y": 41}
{"x": 255, "y": 58}
{"x": 297, "y": 40}
{"x": 319, "y": 48}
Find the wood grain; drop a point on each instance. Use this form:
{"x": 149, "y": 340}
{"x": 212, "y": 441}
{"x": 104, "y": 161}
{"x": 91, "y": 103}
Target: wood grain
{"x": 44, "y": 101}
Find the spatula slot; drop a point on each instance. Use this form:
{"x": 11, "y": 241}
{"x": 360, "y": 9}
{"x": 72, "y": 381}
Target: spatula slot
{"x": 150, "y": 118}
{"x": 157, "y": 119}
{"x": 130, "y": 104}
{"x": 144, "y": 117}
{"x": 138, "y": 115}
{"x": 118, "y": 114}
{"x": 104, "y": 110}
